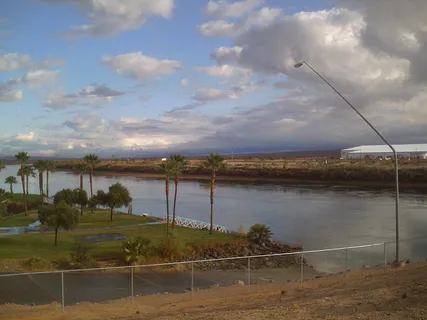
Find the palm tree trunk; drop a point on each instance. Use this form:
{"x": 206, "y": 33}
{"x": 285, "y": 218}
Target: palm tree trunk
{"x": 212, "y": 198}
{"x": 167, "y": 203}
{"x": 90, "y": 181}
{"x": 23, "y": 191}
{"x": 111, "y": 214}
{"x": 47, "y": 184}
{"x": 41, "y": 184}
{"x": 56, "y": 236}
{"x": 11, "y": 188}
{"x": 91, "y": 189}
{"x": 81, "y": 181}
{"x": 27, "y": 178}
{"x": 174, "y": 202}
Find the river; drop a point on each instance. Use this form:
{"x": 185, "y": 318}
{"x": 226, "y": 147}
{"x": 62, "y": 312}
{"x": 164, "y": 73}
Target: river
{"x": 316, "y": 216}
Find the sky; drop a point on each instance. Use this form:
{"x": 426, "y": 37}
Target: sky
{"x": 137, "y": 77}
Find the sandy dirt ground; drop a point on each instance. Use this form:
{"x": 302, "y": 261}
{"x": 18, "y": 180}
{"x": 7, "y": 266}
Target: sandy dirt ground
{"x": 368, "y": 294}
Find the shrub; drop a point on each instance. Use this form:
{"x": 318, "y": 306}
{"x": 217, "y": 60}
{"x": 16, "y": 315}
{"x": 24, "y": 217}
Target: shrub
{"x": 259, "y": 233}
{"x": 80, "y": 257}
{"x": 172, "y": 248}
{"x": 37, "y": 264}
{"x": 135, "y": 250}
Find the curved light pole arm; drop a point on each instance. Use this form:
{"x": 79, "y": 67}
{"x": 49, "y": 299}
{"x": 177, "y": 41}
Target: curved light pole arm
{"x": 396, "y": 162}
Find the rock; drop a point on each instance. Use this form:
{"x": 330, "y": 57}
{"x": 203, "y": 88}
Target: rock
{"x": 404, "y": 296}
{"x": 408, "y": 261}
{"x": 137, "y": 312}
{"x": 240, "y": 283}
{"x": 283, "y": 292}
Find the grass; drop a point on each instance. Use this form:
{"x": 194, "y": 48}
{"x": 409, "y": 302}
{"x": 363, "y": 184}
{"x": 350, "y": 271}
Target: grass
{"x": 41, "y": 245}
{"x": 19, "y": 197}
{"x": 99, "y": 219}
{"x": 19, "y": 220}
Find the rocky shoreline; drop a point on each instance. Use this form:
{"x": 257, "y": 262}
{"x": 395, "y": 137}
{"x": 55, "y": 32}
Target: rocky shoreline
{"x": 230, "y": 250}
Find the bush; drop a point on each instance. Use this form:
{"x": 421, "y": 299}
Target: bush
{"x": 135, "y": 250}
{"x": 37, "y": 264}
{"x": 172, "y": 248}
{"x": 80, "y": 257}
{"x": 259, "y": 233}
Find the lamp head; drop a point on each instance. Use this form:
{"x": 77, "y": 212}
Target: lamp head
{"x": 299, "y": 64}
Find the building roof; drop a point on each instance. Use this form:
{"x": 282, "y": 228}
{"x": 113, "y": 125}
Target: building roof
{"x": 384, "y": 148}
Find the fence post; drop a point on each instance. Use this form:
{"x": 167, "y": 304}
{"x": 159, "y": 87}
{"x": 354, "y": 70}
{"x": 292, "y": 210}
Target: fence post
{"x": 62, "y": 292}
{"x": 385, "y": 256}
{"x": 192, "y": 280}
{"x": 346, "y": 264}
{"x": 302, "y": 267}
{"x": 249, "y": 273}
{"x": 131, "y": 282}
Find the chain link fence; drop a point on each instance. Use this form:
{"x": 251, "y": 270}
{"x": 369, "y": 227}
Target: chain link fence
{"x": 70, "y": 287}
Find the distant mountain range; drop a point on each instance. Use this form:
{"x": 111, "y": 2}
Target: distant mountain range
{"x": 198, "y": 153}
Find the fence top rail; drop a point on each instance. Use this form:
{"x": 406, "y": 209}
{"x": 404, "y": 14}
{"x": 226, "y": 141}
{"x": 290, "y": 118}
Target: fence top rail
{"x": 197, "y": 261}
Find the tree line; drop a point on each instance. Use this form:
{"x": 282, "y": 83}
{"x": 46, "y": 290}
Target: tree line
{"x": 172, "y": 168}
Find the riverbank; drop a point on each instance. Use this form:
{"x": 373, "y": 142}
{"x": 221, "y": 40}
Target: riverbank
{"x": 369, "y": 173}
{"x": 368, "y": 294}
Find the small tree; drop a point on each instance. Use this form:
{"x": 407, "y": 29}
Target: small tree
{"x": 65, "y": 195}
{"x": 117, "y": 196}
{"x": 60, "y": 216}
{"x": 259, "y": 233}
{"x": 81, "y": 199}
{"x": 11, "y": 180}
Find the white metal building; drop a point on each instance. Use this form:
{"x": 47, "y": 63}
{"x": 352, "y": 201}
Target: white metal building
{"x": 384, "y": 152}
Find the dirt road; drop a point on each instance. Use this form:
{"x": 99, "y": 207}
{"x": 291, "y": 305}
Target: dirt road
{"x": 369, "y": 294}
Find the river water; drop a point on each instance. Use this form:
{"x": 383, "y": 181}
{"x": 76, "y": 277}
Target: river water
{"x": 316, "y": 216}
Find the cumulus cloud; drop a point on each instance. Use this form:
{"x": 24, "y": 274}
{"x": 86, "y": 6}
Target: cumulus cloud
{"x": 211, "y": 94}
{"x": 86, "y": 122}
{"x": 109, "y": 17}
{"x": 9, "y": 94}
{"x": 224, "y": 71}
{"x": 223, "y": 9}
{"x": 15, "y": 61}
{"x": 223, "y": 28}
{"x": 92, "y": 96}
{"x": 36, "y": 77}
{"x": 224, "y": 55}
{"x": 184, "y": 82}
{"x": 137, "y": 66}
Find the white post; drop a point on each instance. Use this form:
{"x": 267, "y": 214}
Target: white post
{"x": 249, "y": 273}
{"x": 192, "y": 280}
{"x": 62, "y": 292}
{"x": 346, "y": 264}
{"x": 302, "y": 268}
{"x": 131, "y": 282}
{"x": 385, "y": 256}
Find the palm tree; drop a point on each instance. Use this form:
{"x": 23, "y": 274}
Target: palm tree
{"x": 2, "y": 166}
{"x": 167, "y": 169}
{"x": 11, "y": 180}
{"x": 40, "y": 165}
{"x": 81, "y": 168}
{"x": 91, "y": 160}
{"x": 178, "y": 164}
{"x": 214, "y": 162}
{"x": 50, "y": 166}
{"x": 28, "y": 172}
{"x": 23, "y": 158}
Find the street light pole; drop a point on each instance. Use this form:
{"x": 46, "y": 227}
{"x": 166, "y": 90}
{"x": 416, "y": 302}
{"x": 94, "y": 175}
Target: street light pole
{"x": 396, "y": 162}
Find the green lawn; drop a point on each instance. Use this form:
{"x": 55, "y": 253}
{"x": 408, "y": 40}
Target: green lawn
{"x": 98, "y": 219}
{"x": 19, "y": 220}
{"x": 41, "y": 245}
{"x": 19, "y": 197}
